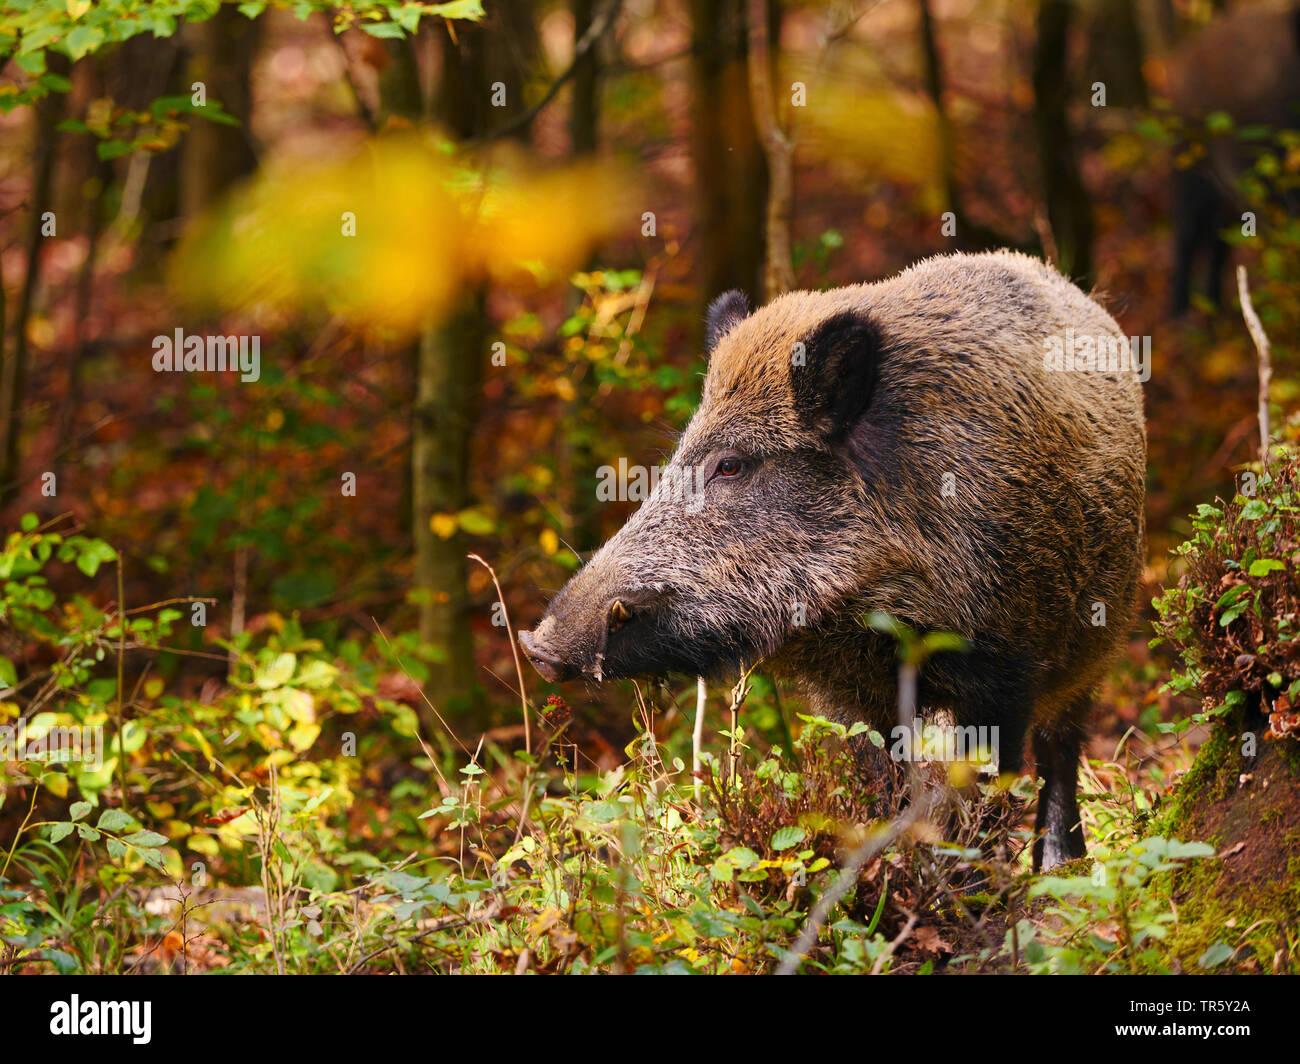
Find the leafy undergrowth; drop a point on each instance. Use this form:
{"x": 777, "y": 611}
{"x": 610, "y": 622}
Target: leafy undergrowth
{"x": 293, "y": 817}
{"x": 1234, "y": 619}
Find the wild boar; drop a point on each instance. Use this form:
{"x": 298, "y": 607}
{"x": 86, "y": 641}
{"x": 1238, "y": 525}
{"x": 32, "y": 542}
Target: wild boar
{"x": 915, "y": 446}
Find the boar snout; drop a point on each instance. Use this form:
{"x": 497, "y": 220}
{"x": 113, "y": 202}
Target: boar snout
{"x": 574, "y": 637}
{"x": 548, "y": 664}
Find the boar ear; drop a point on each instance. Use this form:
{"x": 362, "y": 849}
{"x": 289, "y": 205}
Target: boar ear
{"x": 835, "y": 372}
{"x": 725, "y": 313}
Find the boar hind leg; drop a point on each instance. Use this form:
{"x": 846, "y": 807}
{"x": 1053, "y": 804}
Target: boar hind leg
{"x": 1058, "y": 829}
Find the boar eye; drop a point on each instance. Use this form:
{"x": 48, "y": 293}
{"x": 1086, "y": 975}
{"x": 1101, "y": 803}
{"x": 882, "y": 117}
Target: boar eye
{"x": 730, "y": 466}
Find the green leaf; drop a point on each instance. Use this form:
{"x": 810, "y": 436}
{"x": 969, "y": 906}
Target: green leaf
{"x": 471, "y": 10}
{"x": 83, "y": 40}
{"x": 64, "y": 963}
{"x": 317, "y": 673}
{"x": 79, "y": 810}
{"x": 29, "y": 522}
{"x": 476, "y": 523}
{"x": 1215, "y": 955}
{"x": 111, "y": 149}
{"x": 278, "y": 673}
{"x": 88, "y": 833}
{"x": 741, "y": 857}
{"x": 61, "y": 831}
{"x": 787, "y": 837}
{"x": 603, "y": 812}
{"x": 1219, "y": 122}
{"x": 1231, "y": 595}
{"x": 116, "y": 820}
{"x": 383, "y": 29}
{"x": 937, "y": 641}
{"x": 145, "y": 839}
{"x": 1264, "y": 566}
{"x": 8, "y": 674}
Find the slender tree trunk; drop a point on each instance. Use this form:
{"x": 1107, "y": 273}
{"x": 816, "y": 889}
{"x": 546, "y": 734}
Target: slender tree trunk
{"x": 213, "y": 155}
{"x": 577, "y": 458}
{"x": 943, "y": 125}
{"x": 13, "y": 369}
{"x": 1069, "y": 212}
{"x": 585, "y": 116}
{"x": 449, "y": 366}
{"x": 99, "y": 181}
{"x": 778, "y": 146}
{"x": 448, "y": 381}
{"x": 730, "y": 168}
{"x": 1116, "y": 53}
{"x": 136, "y": 73}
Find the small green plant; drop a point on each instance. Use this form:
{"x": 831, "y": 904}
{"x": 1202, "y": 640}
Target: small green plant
{"x": 1113, "y": 919}
{"x": 1232, "y": 618}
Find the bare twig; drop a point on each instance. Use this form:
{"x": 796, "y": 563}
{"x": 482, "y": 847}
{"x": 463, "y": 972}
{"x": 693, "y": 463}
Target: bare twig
{"x": 1265, "y": 349}
{"x": 697, "y": 734}
{"x": 121, "y": 660}
{"x": 598, "y": 28}
{"x": 514, "y": 649}
{"x": 899, "y": 939}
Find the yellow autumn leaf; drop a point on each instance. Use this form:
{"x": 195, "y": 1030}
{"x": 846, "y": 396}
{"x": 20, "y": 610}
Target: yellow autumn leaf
{"x": 549, "y": 540}
{"x": 302, "y": 735}
{"x": 391, "y": 235}
{"x": 443, "y": 525}
{"x": 205, "y": 844}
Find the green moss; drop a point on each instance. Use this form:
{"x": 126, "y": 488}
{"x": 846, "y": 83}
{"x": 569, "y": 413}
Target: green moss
{"x": 1212, "y": 776}
{"x": 1250, "y": 896}
{"x": 1208, "y": 913}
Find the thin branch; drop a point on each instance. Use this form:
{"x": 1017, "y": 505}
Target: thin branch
{"x": 1265, "y": 350}
{"x": 598, "y": 28}
{"x": 514, "y": 649}
{"x": 697, "y": 734}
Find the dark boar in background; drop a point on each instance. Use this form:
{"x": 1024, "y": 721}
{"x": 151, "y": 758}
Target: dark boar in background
{"x": 903, "y": 447}
{"x": 1246, "y": 64}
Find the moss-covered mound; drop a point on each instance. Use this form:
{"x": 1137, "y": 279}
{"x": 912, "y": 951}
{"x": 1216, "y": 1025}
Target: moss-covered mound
{"x": 1240, "y": 911}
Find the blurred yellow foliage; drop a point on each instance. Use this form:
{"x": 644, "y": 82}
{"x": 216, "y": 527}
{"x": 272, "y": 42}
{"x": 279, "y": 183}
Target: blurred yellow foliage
{"x": 390, "y": 236}
{"x": 880, "y": 133}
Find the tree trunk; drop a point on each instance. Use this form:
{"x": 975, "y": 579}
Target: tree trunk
{"x": 449, "y": 375}
{"x": 1116, "y": 53}
{"x": 584, "y": 117}
{"x": 778, "y": 147}
{"x": 943, "y": 124}
{"x": 449, "y": 366}
{"x": 13, "y": 367}
{"x": 214, "y": 155}
{"x": 730, "y": 170}
{"x": 1069, "y": 212}
{"x": 577, "y": 460}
